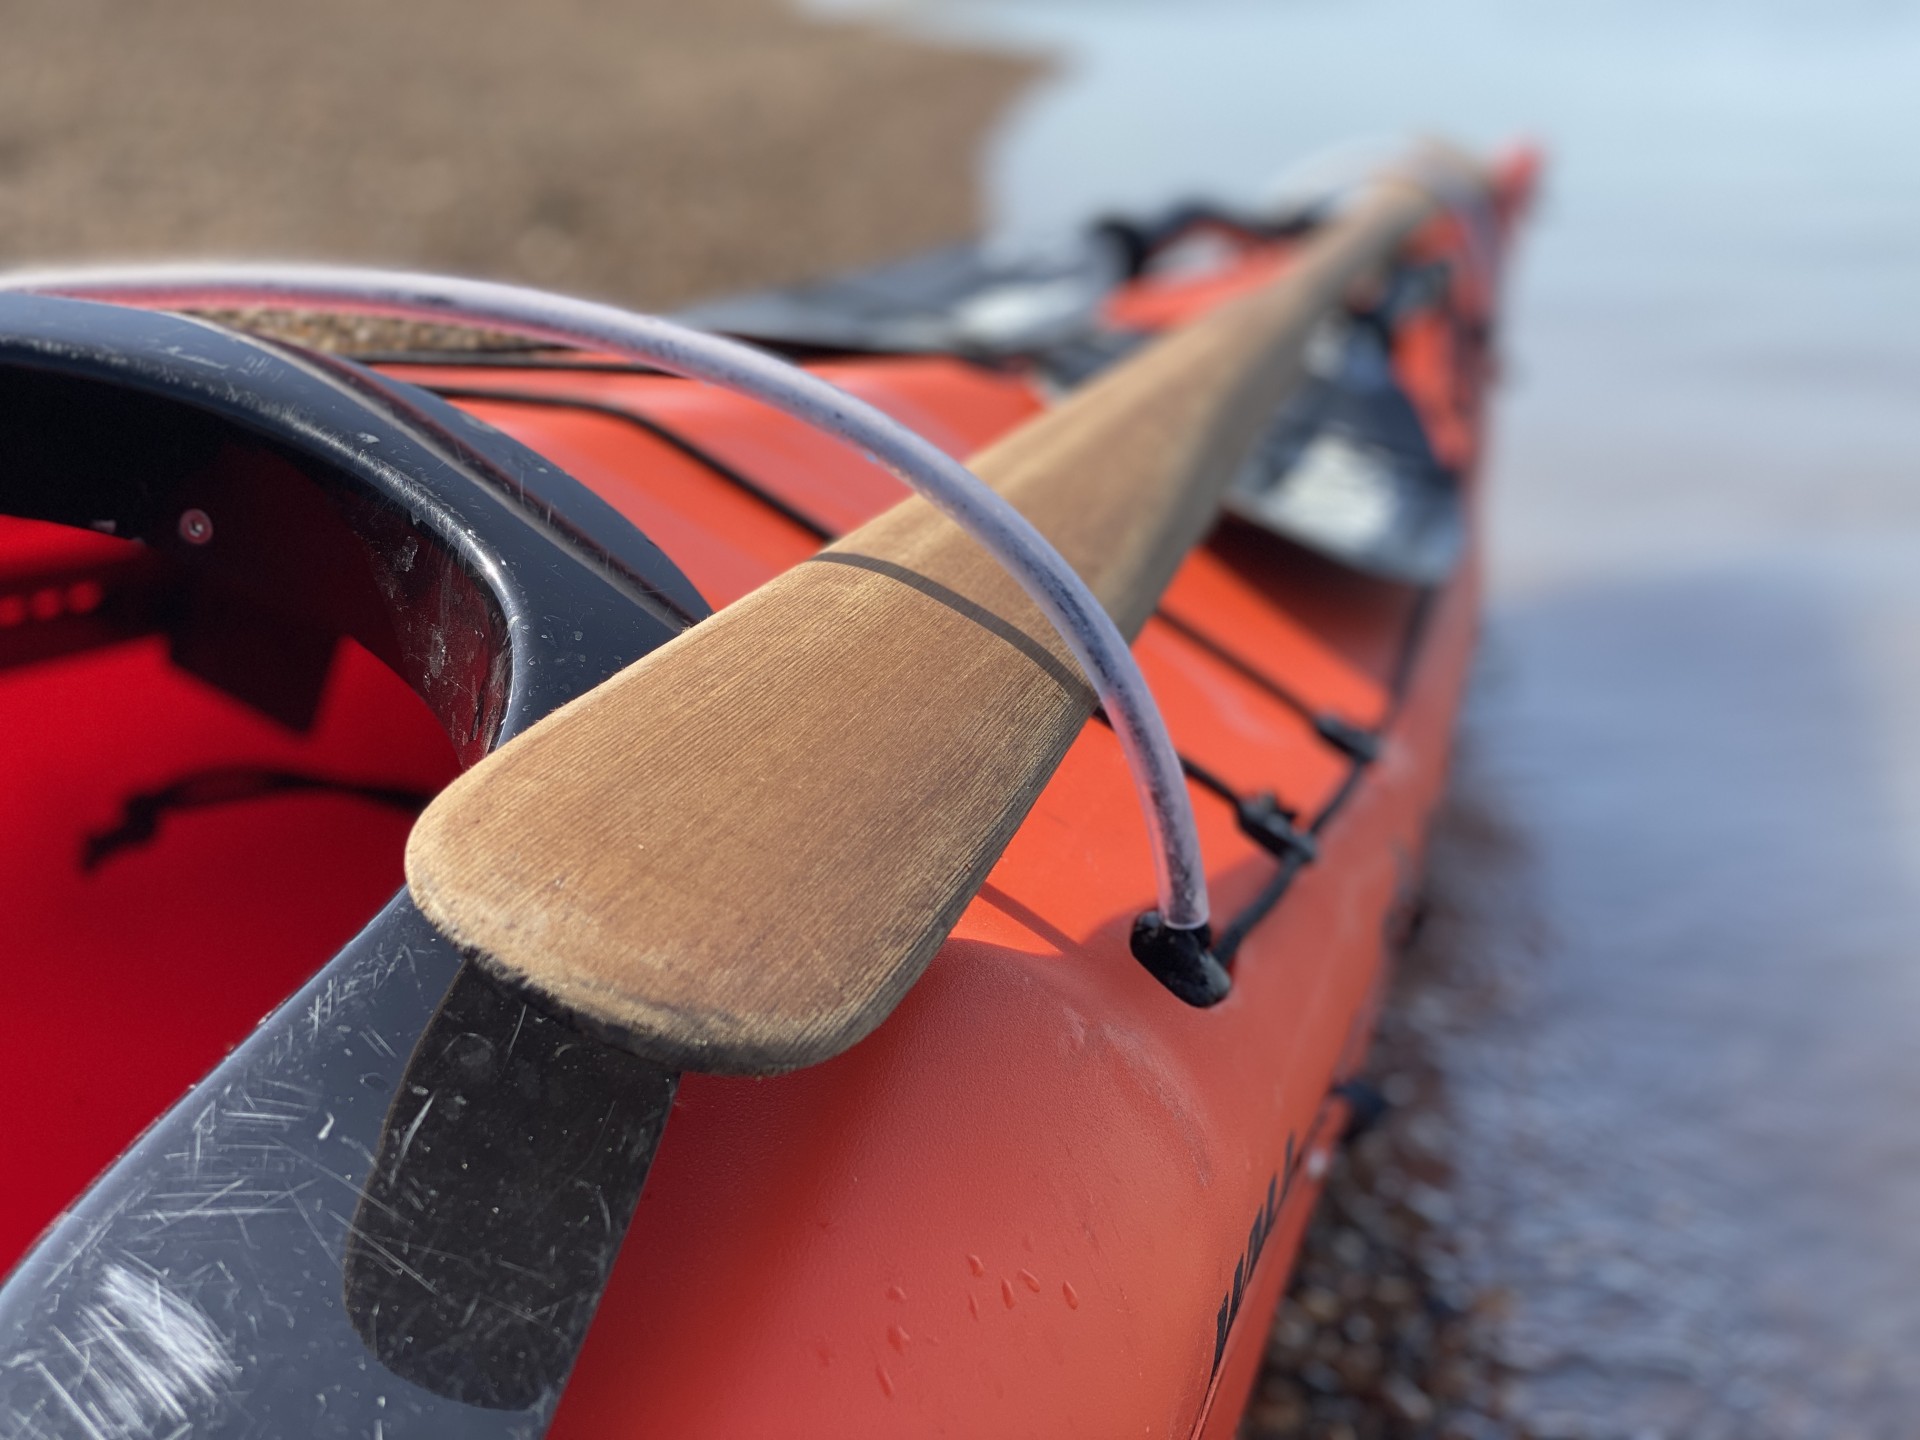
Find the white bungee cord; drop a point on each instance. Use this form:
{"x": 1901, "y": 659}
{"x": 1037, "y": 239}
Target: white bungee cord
{"x": 958, "y": 493}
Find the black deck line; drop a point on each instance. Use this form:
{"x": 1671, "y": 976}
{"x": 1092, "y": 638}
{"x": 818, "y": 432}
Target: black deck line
{"x": 542, "y": 356}
{"x": 1227, "y": 944}
{"x": 1275, "y": 889}
{"x": 1205, "y": 778}
{"x": 1214, "y": 648}
{"x": 1195, "y": 772}
{"x": 652, "y": 427}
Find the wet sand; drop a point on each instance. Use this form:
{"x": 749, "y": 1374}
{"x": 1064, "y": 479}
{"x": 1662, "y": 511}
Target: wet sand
{"x": 651, "y": 151}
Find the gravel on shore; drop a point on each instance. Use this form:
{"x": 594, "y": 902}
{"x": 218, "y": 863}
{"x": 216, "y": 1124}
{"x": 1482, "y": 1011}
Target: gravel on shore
{"x": 651, "y": 151}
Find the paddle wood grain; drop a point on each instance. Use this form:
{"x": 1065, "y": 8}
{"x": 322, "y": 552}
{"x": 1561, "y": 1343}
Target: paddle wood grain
{"x": 737, "y": 854}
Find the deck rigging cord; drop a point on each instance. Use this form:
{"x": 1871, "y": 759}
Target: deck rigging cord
{"x": 1353, "y": 740}
{"x": 1082, "y": 622}
{"x": 666, "y": 434}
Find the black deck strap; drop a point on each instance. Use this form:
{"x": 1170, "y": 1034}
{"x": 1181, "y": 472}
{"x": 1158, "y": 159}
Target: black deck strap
{"x": 705, "y": 458}
{"x": 1262, "y": 817}
{"x": 141, "y": 814}
{"x": 1349, "y": 739}
{"x": 1338, "y": 800}
{"x": 1257, "y": 909}
{"x": 1271, "y": 825}
{"x": 1197, "y": 773}
{"x": 1270, "y": 894}
{"x": 1291, "y": 865}
{"x": 1354, "y": 741}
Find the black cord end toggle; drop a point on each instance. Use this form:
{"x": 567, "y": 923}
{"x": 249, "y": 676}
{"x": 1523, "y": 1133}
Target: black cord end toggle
{"x": 1361, "y": 746}
{"x": 1270, "y": 824}
{"x": 1181, "y": 960}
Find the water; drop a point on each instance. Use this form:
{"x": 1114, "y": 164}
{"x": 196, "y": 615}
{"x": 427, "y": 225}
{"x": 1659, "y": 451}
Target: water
{"x": 1690, "y": 1134}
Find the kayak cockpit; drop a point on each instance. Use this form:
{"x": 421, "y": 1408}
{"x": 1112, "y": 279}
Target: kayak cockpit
{"x": 254, "y": 612}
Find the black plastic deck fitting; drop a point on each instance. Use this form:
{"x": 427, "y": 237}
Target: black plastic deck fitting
{"x": 1181, "y": 960}
{"x": 1359, "y": 745}
{"x": 1271, "y": 825}
{"x": 1367, "y": 1106}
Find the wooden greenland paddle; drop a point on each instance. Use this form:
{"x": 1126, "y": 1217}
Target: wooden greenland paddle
{"x": 737, "y": 854}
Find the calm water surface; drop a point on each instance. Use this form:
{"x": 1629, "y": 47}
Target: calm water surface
{"x": 1692, "y": 1135}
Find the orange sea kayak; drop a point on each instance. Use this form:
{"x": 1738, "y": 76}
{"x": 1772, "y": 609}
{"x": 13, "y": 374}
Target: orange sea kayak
{"x": 259, "y": 604}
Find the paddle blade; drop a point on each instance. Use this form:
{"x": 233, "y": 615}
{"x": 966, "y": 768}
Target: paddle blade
{"x": 740, "y": 852}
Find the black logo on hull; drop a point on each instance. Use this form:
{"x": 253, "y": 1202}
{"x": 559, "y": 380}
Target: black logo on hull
{"x": 1264, "y": 1220}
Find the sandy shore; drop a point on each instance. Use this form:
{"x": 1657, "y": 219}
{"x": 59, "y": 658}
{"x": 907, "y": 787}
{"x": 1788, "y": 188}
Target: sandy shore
{"x": 651, "y": 151}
